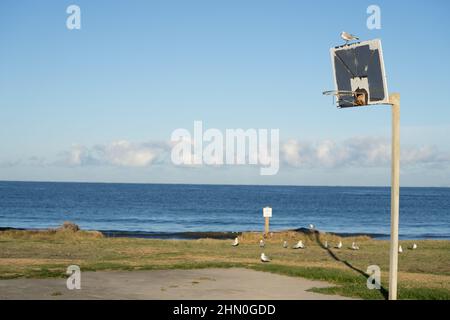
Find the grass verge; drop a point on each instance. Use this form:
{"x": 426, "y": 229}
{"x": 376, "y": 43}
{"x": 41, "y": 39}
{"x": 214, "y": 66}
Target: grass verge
{"x": 423, "y": 273}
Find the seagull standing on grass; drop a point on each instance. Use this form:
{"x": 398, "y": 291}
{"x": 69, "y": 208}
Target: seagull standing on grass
{"x": 326, "y": 244}
{"x": 339, "y": 245}
{"x": 299, "y": 245}
{"x": 414, "y": 247}
{"x": 400, "y": 249}
{"x": 348, "y": 37}
{"x": 264, "y": 258}
{"x": 285, "y": 244}
{"x": 261, "y": 243}
{"x": 236, "y": 242}
{"x": 354, "y": 246}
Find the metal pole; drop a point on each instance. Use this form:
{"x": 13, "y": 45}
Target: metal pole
{"x": 394, "y": 100}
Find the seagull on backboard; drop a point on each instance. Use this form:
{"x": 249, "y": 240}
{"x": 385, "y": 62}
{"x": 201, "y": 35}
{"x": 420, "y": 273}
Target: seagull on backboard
{"x": 348, "y": 37}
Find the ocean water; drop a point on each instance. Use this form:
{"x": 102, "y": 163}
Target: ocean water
{"x": 170, "y": 209}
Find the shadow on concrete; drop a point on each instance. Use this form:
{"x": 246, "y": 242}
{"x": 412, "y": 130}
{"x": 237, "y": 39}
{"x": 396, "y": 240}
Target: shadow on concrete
{"x": 383, "y": 291}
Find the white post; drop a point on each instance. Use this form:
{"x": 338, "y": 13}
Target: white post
{"x": 394, "y": 100}
{"x": 266, "y": 226}
{"x": 267, "y": 214}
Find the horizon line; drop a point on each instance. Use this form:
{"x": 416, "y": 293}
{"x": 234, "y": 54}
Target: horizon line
{"x": 217, "y": 184}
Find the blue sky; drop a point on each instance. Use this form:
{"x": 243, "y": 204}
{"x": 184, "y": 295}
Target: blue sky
{"x": 137, "y": 70}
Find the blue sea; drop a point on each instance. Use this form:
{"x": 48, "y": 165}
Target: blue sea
{"x": 168, "y": 210}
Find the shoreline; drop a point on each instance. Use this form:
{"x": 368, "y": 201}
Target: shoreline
{"x": 224, "y": 235}
{"x": 151, "y": 211}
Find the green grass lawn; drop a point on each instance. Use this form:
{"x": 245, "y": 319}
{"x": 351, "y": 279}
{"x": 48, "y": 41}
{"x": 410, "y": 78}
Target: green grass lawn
{"x": 423, "y": 273}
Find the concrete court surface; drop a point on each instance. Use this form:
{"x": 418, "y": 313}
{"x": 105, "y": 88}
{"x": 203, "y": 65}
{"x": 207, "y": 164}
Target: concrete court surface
{"x": 199, "y": 284}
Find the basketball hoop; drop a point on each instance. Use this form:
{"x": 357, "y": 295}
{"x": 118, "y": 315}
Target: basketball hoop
{"x": 343, "y": 97}
{"x": 359, "y": 75}
{"x": 360, "y": 80}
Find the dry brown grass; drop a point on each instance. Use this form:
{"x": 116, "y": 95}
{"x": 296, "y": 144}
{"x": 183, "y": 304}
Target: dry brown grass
{"x": 50, "y": 234}
{"x": 17, "y": 262}
{"x": 294, "y": 236}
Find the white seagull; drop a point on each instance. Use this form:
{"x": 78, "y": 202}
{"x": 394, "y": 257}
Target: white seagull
{"x": 326, "y": 244}
{"x": 339, "y": 245}
{"x": 354, "y": 246}
{"x": 312, "y": 227}
{"x": 235, "y": 242}
{"x": 299, "y": 245}
{"x": 400, "y": 249}
{"x": 285, "y": 244}
{"x": 348, "y": 37}
{"x": 414, "y": 247}
{"x": 264, "y": 258}
{"x": 261, "y": 243}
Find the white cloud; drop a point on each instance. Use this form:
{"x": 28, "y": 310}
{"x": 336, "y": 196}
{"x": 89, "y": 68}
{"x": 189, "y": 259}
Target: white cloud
{"x": 120, "y": 153}
{"x": 9, "y": 163}
{"x": 358, "y": 152}
{"x": 30, "y": 161}
{"x": 77, "y": 155}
